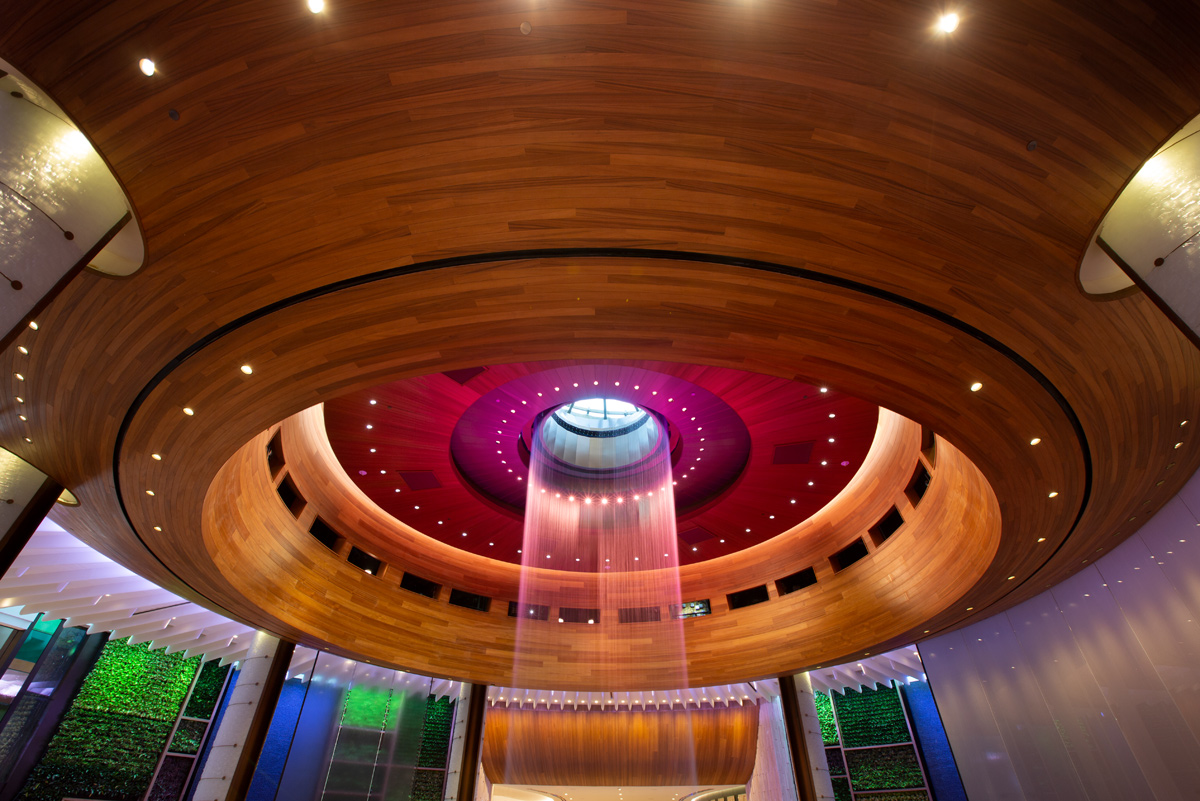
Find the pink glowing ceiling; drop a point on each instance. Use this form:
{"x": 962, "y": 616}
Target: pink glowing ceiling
{"x": 395, "y": 441}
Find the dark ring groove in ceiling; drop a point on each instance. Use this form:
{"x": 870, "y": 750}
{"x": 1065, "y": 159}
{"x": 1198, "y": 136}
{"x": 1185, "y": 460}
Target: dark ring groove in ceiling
{"x": 605, "y": 253}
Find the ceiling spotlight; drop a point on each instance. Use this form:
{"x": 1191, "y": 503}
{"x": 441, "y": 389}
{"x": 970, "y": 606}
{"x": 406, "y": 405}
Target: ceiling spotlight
{"x": 947, "y": 23}
{"x": 19, "y": 376}
{"x": 146, "y": 66}
{"x": 158, "y": 528}
{"x": 247, "y": 369}
{"x": 1035, "y": 440}
{"x": 1054, "y": 494}
{"x": 22, "y": 418}
{"x": 316, "y": 6}
{"x": 24, "y": 350}
{"x": 188, "y": 411}
{"x": 978, "y": 385}
{"x": 156, "y": 457}
{"x": 150, "y": 492}
{"x": 27, "y": 439}
{"x": 1041, "y": 539}
{"x": 33, "y": 324}
{"x": 369, "y": 426}
{"x": 372, "y": 401}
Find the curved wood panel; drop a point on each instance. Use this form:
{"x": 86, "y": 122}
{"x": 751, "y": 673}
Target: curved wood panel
{"x": 270, "y": 562}
{"x": 912, "y": 244}
{"x": 646, "y": 747}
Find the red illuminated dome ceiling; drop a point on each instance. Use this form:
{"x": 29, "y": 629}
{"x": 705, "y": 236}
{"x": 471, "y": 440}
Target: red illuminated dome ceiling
{"x": 753, "y": 455}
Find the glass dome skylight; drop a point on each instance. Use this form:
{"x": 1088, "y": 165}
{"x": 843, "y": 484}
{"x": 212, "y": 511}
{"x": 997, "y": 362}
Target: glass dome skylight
{"x": 598, "y": 414}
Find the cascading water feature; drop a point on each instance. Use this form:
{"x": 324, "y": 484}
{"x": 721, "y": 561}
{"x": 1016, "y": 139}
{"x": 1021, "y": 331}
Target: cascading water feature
{"x": 600, "y": 499}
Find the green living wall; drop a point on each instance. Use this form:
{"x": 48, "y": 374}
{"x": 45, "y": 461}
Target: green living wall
{"x": 110, "y": 739}
{"x": 869, "y": 741}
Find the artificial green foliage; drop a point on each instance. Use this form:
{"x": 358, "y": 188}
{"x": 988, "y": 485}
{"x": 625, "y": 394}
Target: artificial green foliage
{"x": 207, "y": 691}
{"x": 367, "y": 707}
{"x": 825, "y": 715}
{"x": 871, "y": 717}
{"x": 892, "y": 768}
{"x": 98, "y": 755}
{"x": 109, "y": 741}
{"x": 435, "y": 734}
{"x": 132, "y": 679}
{"x": 841, "y": 790}
{"x": 837, "y": 765}
{"x": 910, "y": 795}
{"x": 427, "y": 785}
{"x": 188, "y": 736}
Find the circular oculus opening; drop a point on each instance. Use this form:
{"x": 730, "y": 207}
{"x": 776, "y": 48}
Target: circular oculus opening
{"x": 600, "y": 434}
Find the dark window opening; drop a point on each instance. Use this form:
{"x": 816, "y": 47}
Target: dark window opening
{"x": 797, "y": 581}
{"x": 421, "y": 586}
{"x": 754, "y": 595}
{"x": 528, "y": 611}
{"x": 848, "y": 555}
{"x": 470, "y": 600}
{"x": 886, "y": 527}
{"x": 325, "y": 534}
{"x": 275, "y": 454}
{"x": 639, "y": 614}
{"x": 364, "y": 561}
{"x": 929, "y": 444}
{"x": 917, "y": 484}
{"x": 290, "y": 496}
{"x": 567, "y": 614}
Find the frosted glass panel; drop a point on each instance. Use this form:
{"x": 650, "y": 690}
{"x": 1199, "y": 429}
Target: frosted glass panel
{"x": 1090, "y": 691}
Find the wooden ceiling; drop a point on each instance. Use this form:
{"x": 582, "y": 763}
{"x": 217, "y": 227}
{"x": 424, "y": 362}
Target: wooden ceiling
{"x": 818, "y": 192}
{"x": 413, "y": 425}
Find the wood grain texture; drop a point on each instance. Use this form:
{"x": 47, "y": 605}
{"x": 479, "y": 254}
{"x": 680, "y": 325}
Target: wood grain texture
{"x": 609, "y": 747}
{"x": 846, "y": 140}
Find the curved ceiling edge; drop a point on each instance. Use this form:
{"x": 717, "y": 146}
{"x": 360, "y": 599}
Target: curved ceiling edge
{"x": 833, "y": 281}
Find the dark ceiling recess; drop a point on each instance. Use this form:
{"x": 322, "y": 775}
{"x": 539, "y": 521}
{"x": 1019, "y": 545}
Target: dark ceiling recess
{"x": 420, "y": 479}
{"x": 464, "y": 375}
{"x": 794, "y": 453}
{"x": 695, "y": 535}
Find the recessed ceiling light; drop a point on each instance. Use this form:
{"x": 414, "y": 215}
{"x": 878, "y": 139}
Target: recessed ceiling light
{"x": 22, "y": 418}
{"x": 369, "y": 426}
{"x": 20, "y": 399}
{"x": 1010, "y": 578}
{"x": 27, "y": 439}
{"x": 19, "y": 376}
{"x": 149, "y": 492}
{"x": 948, "y": 23}
{"x": 156, "y": 457}
{"x": 978, "y": 385}
{"x": 1035, "y": 440}
{"x": 372, "y": 401}
{"x": 1054, "y": 494}
{"x": 316, "y": 6}
{"x": 793, "y": 500}
{"x": 24, "y": 350}
{"x": 33, "y": 324}
{"x": 1183, "y": 423}
{"x": 247, "y": 369}
{"x": 831, "y": 439}
{"x": 1177, "y": 444}
{"x": 146, "y": 66}
{"x": 188, "y": 411}
{"x": 372, "y": 450}
{"x": 158, "y": 528}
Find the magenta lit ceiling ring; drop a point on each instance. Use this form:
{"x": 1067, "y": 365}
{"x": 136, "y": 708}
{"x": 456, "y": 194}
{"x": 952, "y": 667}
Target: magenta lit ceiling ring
{"x": 490, "y": 443}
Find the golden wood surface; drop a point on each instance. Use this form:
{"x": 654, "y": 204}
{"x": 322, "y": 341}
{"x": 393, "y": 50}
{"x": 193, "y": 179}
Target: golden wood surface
{"x": 847, "y": 140}
{"x": 608, "y": 747}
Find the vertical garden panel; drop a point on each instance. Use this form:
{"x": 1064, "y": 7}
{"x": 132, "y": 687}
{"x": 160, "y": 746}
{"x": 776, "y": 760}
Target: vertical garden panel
{"x": 109, "y": 741}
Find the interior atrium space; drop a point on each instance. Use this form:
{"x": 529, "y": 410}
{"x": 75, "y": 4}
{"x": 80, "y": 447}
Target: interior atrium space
{"x": 599, "y": 400}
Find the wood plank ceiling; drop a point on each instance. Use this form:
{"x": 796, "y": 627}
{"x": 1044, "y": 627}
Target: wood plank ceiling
{"x": 826, "y": 192}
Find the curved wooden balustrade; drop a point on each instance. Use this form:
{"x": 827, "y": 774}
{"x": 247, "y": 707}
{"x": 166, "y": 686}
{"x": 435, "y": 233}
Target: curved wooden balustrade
{"x": 945, "y": 547}
{"x": 630, "y": 747}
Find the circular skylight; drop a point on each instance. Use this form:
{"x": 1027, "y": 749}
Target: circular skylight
{"x": 600, "y": 414}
